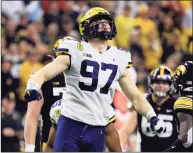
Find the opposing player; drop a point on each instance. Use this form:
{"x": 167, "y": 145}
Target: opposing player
{"x": 162, "y": 101}
{"x": 51, "y": 91}
{"x": 183, "y": 107}
{"x": 92, "y": 71}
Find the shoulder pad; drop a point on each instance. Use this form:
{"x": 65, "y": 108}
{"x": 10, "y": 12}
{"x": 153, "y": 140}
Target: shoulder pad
{"x": 68, "y": 38}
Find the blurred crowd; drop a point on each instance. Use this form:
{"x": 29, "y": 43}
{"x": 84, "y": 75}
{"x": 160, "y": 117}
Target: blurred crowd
{"x": 157, "y": 32}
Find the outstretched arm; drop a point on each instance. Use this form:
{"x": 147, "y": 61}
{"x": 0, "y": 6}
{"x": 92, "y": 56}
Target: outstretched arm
{"x": 138, "y": 100}
{"x": 60, "y": 64}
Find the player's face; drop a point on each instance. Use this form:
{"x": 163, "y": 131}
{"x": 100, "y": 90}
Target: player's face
{"x": 103, "y": 25}
{"x": 160, "y": 88}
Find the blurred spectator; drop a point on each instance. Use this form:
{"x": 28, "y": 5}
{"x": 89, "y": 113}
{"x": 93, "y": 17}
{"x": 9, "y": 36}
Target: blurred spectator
{"x": 136, "y": 5}
{"x": 33, "y": 10}
{"x": 52, "y": 15}
{"x": 11, "y": 125}
{"x": 67, "y": 26}
{"x": 14, "y": 56}
{"x": 14, "y": 53}
{"x": 22, "y": 23}
{"x": 153, "y": 12}
{"x": 152, "y": 48}
{"x": 172, "y": 44}
{"x": 4, "y": 19}
{"x": 25, "y": 44}
{"x": 146, "y": 24}
{"x": 10, "y": 32}
{"x": 187, "y": 17}
{"x": 81, "y": 6}
{"x": 52, "y": 35}
{"x": 124, "y": 25}
{"x": 142, "y": 82}
{"x": 12, "y": 9}
{"x": 135, "y": 44}
{"x": 3, "y": 46}
{"x": 68, "y": 11}
{"x": 75, "y": 34}
{"x": 173, "y": 61}
{"x": 109, "y": 6}
{"x": 8, "y": 83}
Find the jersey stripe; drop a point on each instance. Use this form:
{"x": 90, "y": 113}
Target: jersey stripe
{"x": 129, "y": 65}
{"x": 183, "y": 103}
{"x": 111, "y": 120}
{"x": 52, "y": 121}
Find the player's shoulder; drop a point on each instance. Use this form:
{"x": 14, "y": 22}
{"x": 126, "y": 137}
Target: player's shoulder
{"x": 68, "y": 42}
{"x": 122, "y": 54}
{"x": 184, "y": 104}
{"x": 120, "y": 51}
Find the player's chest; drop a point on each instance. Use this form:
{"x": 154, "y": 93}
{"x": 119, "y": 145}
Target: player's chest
{"x": 97, "y": 72}
{"x": 98, "y": 64}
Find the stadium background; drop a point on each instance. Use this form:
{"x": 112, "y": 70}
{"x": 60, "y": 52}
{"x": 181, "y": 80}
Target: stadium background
{"x": 154, "y": 32}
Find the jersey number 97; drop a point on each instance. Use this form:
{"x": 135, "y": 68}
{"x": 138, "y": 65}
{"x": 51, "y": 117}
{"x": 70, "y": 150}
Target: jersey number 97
{"x": 94, "y": 75}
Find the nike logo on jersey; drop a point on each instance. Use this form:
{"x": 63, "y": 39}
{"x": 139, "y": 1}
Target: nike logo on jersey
{"x": 169, "y": 110}
{"x": 87, "y": 55}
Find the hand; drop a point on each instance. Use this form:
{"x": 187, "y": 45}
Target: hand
{"x": 157, "y": 126}
{"x": 8, "y": 132}
{"x": 31, "y": 95}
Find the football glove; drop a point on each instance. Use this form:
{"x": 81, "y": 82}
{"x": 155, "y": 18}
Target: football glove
{"x": 31, "y": 95}
{"x": 157, "y": 126}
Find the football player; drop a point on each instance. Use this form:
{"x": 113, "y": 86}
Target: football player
{"x": 162, "y": 101}
{"x": 51, "y": 91}
{"x": 92, "y": 71}
{"x": 183, "y": 107}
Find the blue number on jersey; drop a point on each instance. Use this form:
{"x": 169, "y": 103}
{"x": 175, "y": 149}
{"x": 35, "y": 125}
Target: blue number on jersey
{"x": 94, "y": 75}
{"x": 57, "y": 103}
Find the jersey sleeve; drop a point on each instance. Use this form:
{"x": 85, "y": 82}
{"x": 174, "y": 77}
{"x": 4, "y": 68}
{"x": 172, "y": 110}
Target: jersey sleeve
{"x": 184, "y": 104}
{"x": 64, "y": 46}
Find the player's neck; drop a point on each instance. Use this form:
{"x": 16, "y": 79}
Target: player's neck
{"x": 158, "y": 100}
{"x": 99, "y": 45}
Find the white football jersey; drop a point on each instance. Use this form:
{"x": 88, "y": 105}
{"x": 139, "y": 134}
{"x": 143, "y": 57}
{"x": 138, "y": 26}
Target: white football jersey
{"x": 91, "y": 81}
{"x": 55, "y": 111}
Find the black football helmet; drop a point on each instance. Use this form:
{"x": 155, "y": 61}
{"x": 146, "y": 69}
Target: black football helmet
{"x": 183, "y": 77}
{"x": 162, "y": 73}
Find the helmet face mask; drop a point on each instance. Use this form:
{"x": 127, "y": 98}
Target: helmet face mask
{"x": 90, "y": 31}
{"x": 160, "y": 82}
{"x": 160, "y": 88}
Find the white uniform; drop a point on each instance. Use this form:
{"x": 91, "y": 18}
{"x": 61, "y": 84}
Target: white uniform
{"x": 55, "y": 111}
{"x": 91, "y": 81}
